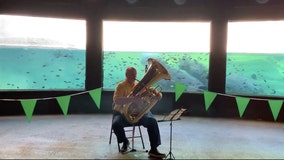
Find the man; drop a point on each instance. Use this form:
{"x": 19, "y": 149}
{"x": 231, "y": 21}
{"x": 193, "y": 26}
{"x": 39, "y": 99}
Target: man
{"x": 120, "y": 98}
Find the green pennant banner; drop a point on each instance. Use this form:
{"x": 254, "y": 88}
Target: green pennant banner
{"x": 96, "y": 95}
{"x": 64, "y": 103}
{"x": 179, "y": 89}
{"x": 275, "y": 106}
{"x": 242, "y": 104}
{"x": 29, "y": 106}
{"x": 209, "y": 98}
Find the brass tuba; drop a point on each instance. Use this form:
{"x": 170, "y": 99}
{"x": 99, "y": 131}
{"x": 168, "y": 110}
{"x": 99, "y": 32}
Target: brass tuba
{"x": 150, "y": 96}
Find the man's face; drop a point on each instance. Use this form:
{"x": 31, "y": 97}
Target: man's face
{"x": 131, "y": 75}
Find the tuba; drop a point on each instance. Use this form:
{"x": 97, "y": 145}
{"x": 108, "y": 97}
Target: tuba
{"x": 150, "y": 96}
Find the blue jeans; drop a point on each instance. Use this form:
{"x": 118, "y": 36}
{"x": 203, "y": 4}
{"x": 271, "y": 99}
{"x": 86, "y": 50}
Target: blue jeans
{"x": 148, "y": 121}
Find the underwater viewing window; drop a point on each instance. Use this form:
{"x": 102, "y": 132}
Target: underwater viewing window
{"x": 181, "y": 47}
{"x": 255, "y": 55}
{"x": 38, "y": 53}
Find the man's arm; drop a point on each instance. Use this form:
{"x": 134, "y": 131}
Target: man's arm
{"x": 126, "y": 100}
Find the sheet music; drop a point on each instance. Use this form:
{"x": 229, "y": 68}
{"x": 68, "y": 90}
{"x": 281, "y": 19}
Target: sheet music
{"x": 174, "y": 115}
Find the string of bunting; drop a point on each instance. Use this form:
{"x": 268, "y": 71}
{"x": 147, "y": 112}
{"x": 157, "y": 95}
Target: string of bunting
{"x": 242, "y": 102}
{"x": 63, "y": 101}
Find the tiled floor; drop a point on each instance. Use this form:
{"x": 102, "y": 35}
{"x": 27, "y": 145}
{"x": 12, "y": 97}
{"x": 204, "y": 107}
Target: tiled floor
{"x": 87, "y": 137}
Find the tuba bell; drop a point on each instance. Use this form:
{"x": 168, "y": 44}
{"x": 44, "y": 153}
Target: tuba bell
{"x": 150, "y": 96}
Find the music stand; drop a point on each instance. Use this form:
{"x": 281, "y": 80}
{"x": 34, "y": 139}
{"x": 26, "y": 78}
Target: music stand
{"x": 174, "y": 115}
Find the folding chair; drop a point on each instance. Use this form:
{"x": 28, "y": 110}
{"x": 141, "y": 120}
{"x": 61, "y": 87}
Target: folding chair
{"x": 132, "y": 136}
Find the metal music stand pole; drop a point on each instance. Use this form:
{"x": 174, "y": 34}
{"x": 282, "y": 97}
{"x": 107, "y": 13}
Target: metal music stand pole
{"x": 170, "y": 152}
{"x": 171, "y": 133}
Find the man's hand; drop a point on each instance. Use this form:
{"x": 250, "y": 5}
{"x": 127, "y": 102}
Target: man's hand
{"x": 157, "y": 94}
{"x": 138, "y": 101}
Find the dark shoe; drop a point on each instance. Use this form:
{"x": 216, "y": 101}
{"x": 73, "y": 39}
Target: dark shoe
{"x": 124, "y": 147}
{"x": 156, "y": 153}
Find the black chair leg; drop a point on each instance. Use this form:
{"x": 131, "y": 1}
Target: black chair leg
{"x": 110, "y": 136}
{"x": 141, "y": 137}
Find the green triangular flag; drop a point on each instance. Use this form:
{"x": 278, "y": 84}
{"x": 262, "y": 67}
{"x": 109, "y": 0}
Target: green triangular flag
{"x": 96, "y": 95}
{"x": 179, "y": 89}
{"x": 209, "y": 98}
{"x": 29, "y": 106}
{"x": 242, "y": 104}
{"x": 63, "y": 103}
{"x": 275, "y": 106}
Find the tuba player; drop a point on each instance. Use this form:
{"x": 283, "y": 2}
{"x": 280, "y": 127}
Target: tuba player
{"x": 120, "y": 98}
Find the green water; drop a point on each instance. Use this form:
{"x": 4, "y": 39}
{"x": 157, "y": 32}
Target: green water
{"x": 247, "y": 73}
{"x": 255, "y": 74}
{"x": 42, "y": 68}
{"x": 23, "y": 68}
{"x": 190, "y": 69}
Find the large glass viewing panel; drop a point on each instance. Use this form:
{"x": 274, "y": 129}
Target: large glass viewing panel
{"x": 255, "y": 56}
{"x": 38, "y": 53}
{"x": 181, "y": 47}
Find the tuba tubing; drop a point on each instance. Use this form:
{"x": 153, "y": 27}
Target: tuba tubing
{"x": 149, "y": 96}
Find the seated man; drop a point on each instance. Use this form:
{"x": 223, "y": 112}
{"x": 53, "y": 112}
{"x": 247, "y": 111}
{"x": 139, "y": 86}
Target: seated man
{"x": 120, "y": 98}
